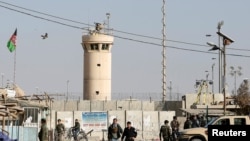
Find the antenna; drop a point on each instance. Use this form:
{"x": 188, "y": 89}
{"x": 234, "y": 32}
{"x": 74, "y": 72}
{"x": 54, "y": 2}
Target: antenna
{"x": 163, "y": 53}
{"x": 108, "y": 16}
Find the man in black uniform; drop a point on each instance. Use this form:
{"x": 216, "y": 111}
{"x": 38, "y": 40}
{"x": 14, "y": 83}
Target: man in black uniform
{"x": 129, "y": 132}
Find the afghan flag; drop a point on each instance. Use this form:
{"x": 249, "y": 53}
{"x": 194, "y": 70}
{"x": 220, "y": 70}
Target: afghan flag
{"x": 12, "y": 42}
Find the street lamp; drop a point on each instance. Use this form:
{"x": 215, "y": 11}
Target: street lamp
{"x": 234, "y": 73}
{"x": 207, "y": 81}
{"x": 220, "y": 53}
{"x": 67, "y": 89}
{"x": 170, "y": 90}
{"x": 213, "y": 75}
{"x": 2, "y": 74}
{"x": 226, "y": 41}
{"x": 36, "y": 90}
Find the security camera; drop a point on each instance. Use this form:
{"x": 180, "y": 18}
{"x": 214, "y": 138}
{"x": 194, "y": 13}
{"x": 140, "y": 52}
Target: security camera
{"x": 225, "y": 37}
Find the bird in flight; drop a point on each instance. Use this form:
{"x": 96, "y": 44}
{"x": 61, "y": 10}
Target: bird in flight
{"x": 44, "y": 36}
{"x": 208, "y": 35}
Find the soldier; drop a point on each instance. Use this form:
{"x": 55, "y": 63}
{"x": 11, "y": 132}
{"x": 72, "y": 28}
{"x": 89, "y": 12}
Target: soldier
{"x": 165, "y": 131}
{"x": 43, "y": 133}
{"x": 60, "y": 129}
{"x": 76, "y": 129}
{"x": 187, "y": 123}
{"x": 202, "y": 121}
{"x": 175, "y": 127}
{"x": 114, "y": 131}
{"x": 195, "y": 122}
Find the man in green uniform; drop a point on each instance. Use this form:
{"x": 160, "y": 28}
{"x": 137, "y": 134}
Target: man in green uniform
{"x": 60, "y": 130}
{"x": 43, "y": 133}
{"x": 165, "y": 131}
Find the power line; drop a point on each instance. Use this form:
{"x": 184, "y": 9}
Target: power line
{"x": 45, "y": 14}
{"x": 174, "y": 47}
{"x": 134, "y": 34}
{"x": 113, "y": 29}
{"x": 44, "y": 18}
{"x": 125, "y": 38}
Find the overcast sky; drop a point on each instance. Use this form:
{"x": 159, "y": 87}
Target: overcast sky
{"x": 47, "y": 65}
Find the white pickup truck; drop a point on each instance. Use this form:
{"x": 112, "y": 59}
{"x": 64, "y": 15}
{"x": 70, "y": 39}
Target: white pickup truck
{"x": 200, "y": 134}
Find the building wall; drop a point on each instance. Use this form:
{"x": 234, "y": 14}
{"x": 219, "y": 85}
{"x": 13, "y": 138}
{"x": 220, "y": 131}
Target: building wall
{"x": 96, "y": 105}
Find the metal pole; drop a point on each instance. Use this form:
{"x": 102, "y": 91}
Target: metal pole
{"x": 235, "y": 91}
{"x": 213, "y": 78}
{"x": 170, "y": 90}
{"x": 67, "y": 90}
{"x": 220, "y": 53}
{"x": 108, "y": 15}
{"x": 224, "y": 77}
{"x": 2, "y": 74}
{"x": 163, "y": 53}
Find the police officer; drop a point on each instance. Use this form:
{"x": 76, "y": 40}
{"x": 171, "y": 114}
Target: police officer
{"x": 129, "y": 132}
{"x": 60, "y": 129}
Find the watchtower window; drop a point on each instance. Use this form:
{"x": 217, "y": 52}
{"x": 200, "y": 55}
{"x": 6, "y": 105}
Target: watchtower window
{"x": 105, "y": 46}
{"x": 97, "y": 92}
{"x": 94, "y": 46}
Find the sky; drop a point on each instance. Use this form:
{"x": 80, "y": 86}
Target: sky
{"x": 55, "y": 65}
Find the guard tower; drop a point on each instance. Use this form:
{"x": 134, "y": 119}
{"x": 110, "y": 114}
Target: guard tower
{"x": 97, "y": 64}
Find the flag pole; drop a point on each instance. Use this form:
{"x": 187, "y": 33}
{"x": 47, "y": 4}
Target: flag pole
{"x": 11, "y": 44}
{"x": 14, "y": 77}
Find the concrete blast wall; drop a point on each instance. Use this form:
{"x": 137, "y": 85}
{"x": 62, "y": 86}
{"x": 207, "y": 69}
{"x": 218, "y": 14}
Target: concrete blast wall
{"x": 147, "y": 123}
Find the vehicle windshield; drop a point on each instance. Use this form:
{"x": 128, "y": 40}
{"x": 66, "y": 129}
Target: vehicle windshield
{"x": 211, "y": 121}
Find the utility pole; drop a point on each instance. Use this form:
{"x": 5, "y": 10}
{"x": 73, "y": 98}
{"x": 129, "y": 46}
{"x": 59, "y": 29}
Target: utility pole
{"x": 220, "y": 53}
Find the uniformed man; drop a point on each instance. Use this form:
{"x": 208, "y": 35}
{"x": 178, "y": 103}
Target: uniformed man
{"x": 43, "y": 133}
{"x": 114, "y": 131}
{"x": 60, "y": 130}
{"x": 129, "y": 132}
{"x": 76, "y": 129}
{"x": 165, "y": 131}
{"x": 175, "y": 127}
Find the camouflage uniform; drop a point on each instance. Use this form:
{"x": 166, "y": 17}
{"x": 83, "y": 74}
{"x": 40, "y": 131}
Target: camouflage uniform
{"x": 43, "y": 133}
{"x": 165, "y": 132}
{"x": 60, "y": 129}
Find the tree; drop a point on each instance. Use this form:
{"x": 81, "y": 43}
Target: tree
{"x": 243, "y": 98}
